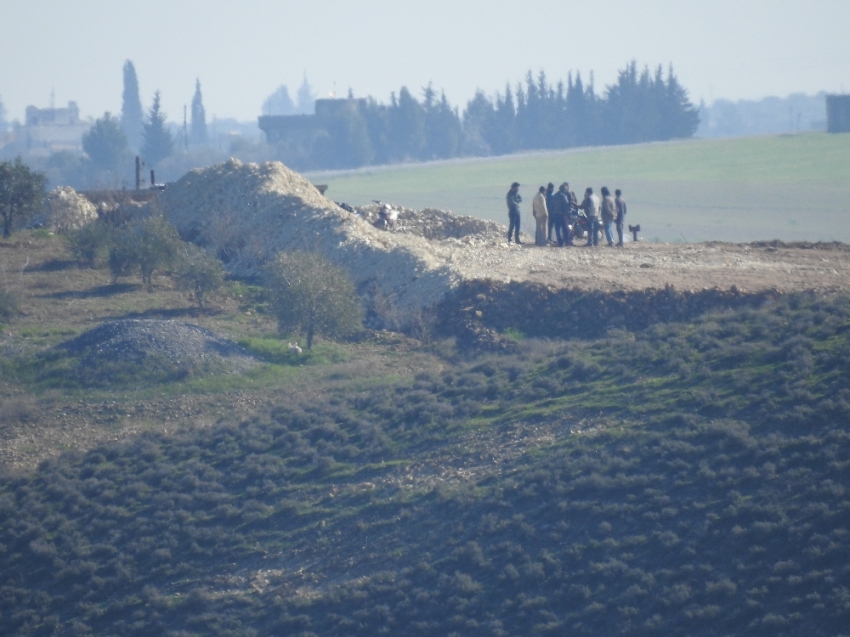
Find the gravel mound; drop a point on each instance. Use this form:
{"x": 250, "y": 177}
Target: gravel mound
{"x": 65, "y": 210}
{"x": 164, "y": 347}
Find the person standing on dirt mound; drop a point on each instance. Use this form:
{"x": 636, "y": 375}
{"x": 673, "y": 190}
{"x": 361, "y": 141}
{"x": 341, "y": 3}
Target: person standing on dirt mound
{"x": 621, "y": 215}
{"x": 609, "y": 213}
{"x": 513, "y": 211}
{"x": 541, "y": 215}
{"x": 558, "y": 214}
{"x": 550, "y": 200}
{"x": 590, "y": 205}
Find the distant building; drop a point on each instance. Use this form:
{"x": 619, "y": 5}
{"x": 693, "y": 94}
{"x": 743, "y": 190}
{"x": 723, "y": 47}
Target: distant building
{"x": 838, "y": 113}
{"x": 47, "y": 130}
{"x": 300, "y": 129}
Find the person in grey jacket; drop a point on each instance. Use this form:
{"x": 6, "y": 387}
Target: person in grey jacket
{"x": 514, "y": 200}
{"x": 621, "y": 215}
{"x": 590, "y": 205}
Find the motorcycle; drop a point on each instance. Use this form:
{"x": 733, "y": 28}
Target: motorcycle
{"x": 578, "y": 224}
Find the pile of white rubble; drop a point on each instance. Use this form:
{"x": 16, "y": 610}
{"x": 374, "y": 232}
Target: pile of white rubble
{"x": 247, "y": 213}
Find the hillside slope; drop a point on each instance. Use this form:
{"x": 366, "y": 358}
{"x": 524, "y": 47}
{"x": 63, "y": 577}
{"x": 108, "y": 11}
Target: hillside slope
{"x": 684, "y": 479}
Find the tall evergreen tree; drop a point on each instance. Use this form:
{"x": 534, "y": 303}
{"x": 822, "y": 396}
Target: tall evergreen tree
{"x": 407, "y": 126}
{"x": 504, "y": 137}
{"x": 306, "y": 99}
{"x": 198, "y": 133}
{"x": 157, "y": 140}
{"x": 479, "y": 124}
{"x": 680, "y": 114}
{"x": 132, "y": 119}
{"x": 443, "y": 128}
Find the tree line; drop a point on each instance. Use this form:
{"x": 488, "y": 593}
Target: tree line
{"x": 535, "y": 114}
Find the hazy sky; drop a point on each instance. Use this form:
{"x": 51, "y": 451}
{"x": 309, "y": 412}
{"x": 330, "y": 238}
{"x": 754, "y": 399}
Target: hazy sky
{"x": 242, "y": 51}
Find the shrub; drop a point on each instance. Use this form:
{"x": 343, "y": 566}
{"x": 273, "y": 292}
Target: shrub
{"x": 90, "y": 244}
{"x": 150, "y": 244}
{"x": 313, "y": 295}
{"x": 198, "y": 272}
{"x": 8, "y": 305}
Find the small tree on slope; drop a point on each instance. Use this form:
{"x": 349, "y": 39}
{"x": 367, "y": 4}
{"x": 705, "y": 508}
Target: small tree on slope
{"x": 313, "y": 296}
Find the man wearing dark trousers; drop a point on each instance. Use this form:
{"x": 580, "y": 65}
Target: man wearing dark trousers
{"x": 621, "y": 215}
{"x": 590, "y": 205}
{"x": 559, "y": 213}
{"x": 514, "y": 200}
{"x": 550, "y": 200}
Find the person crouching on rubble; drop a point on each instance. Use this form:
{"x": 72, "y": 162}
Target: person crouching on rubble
{"x": 387, "y": 217}
{"x": 541, "y": 215}
{"x": 513, "y": 211}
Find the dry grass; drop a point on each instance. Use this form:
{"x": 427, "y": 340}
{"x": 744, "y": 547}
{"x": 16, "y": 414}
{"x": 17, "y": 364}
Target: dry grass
{"x": 59, "y": 299}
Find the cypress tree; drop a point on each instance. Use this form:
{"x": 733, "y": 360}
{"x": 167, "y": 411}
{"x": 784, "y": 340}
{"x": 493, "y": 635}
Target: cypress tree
{"x": 131, "y": 107}
{"x": 306, "y": 99}
{"x": 199, "y": 118}
{"x": 681, "y": 115}
{"x": 158, "y": 142}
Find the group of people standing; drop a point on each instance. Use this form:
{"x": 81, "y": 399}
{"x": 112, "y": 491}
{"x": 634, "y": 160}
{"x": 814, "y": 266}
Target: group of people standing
{"x": 559, "y": 212}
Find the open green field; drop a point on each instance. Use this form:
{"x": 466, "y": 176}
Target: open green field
{"x": 789, "y": 187}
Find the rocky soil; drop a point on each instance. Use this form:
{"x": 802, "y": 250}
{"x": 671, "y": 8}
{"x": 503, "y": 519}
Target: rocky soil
{"x": 180, "y": 344}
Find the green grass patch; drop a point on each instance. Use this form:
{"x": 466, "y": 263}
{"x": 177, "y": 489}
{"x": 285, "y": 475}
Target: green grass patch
{"x": 276, "y": 350}
{"x": 730, "y": 189}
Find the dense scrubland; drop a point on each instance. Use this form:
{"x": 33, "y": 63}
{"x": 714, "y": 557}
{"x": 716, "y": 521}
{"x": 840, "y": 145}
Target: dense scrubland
{"x": 685, "y": 476}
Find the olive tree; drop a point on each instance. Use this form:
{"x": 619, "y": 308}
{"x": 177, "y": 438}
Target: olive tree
{"x": 312, "y": 295}
{"x": 198, "y": 272}
{"x": 149, "y": 244}
{"x": 22, "y": 192}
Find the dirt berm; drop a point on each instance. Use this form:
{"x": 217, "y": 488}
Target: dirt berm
{"x": 247, "y": 213}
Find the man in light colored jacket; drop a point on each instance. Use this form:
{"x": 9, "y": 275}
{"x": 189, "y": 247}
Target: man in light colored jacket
{"x": 541, "y": 215}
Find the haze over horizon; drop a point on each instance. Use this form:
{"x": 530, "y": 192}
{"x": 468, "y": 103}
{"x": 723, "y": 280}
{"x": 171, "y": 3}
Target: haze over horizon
{"x": 241, "y": 54}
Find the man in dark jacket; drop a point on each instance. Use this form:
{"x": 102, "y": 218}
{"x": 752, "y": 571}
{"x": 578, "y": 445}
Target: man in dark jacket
{"x": 591, "y": 206}
{"x": 550, "y": 196}
{"x": 621, "y": 215}
{"x": 559, "y": 213}
{"x": 514, "y": 200}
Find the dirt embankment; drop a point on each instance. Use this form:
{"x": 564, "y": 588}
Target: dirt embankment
{"x": 248, "y": 212}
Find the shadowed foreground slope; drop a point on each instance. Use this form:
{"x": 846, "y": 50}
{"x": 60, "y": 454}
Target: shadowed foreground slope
{"x": 682, "y": 479}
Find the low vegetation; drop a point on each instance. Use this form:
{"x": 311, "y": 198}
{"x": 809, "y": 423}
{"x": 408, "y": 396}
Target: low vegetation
{"x": 686, "y": 478}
